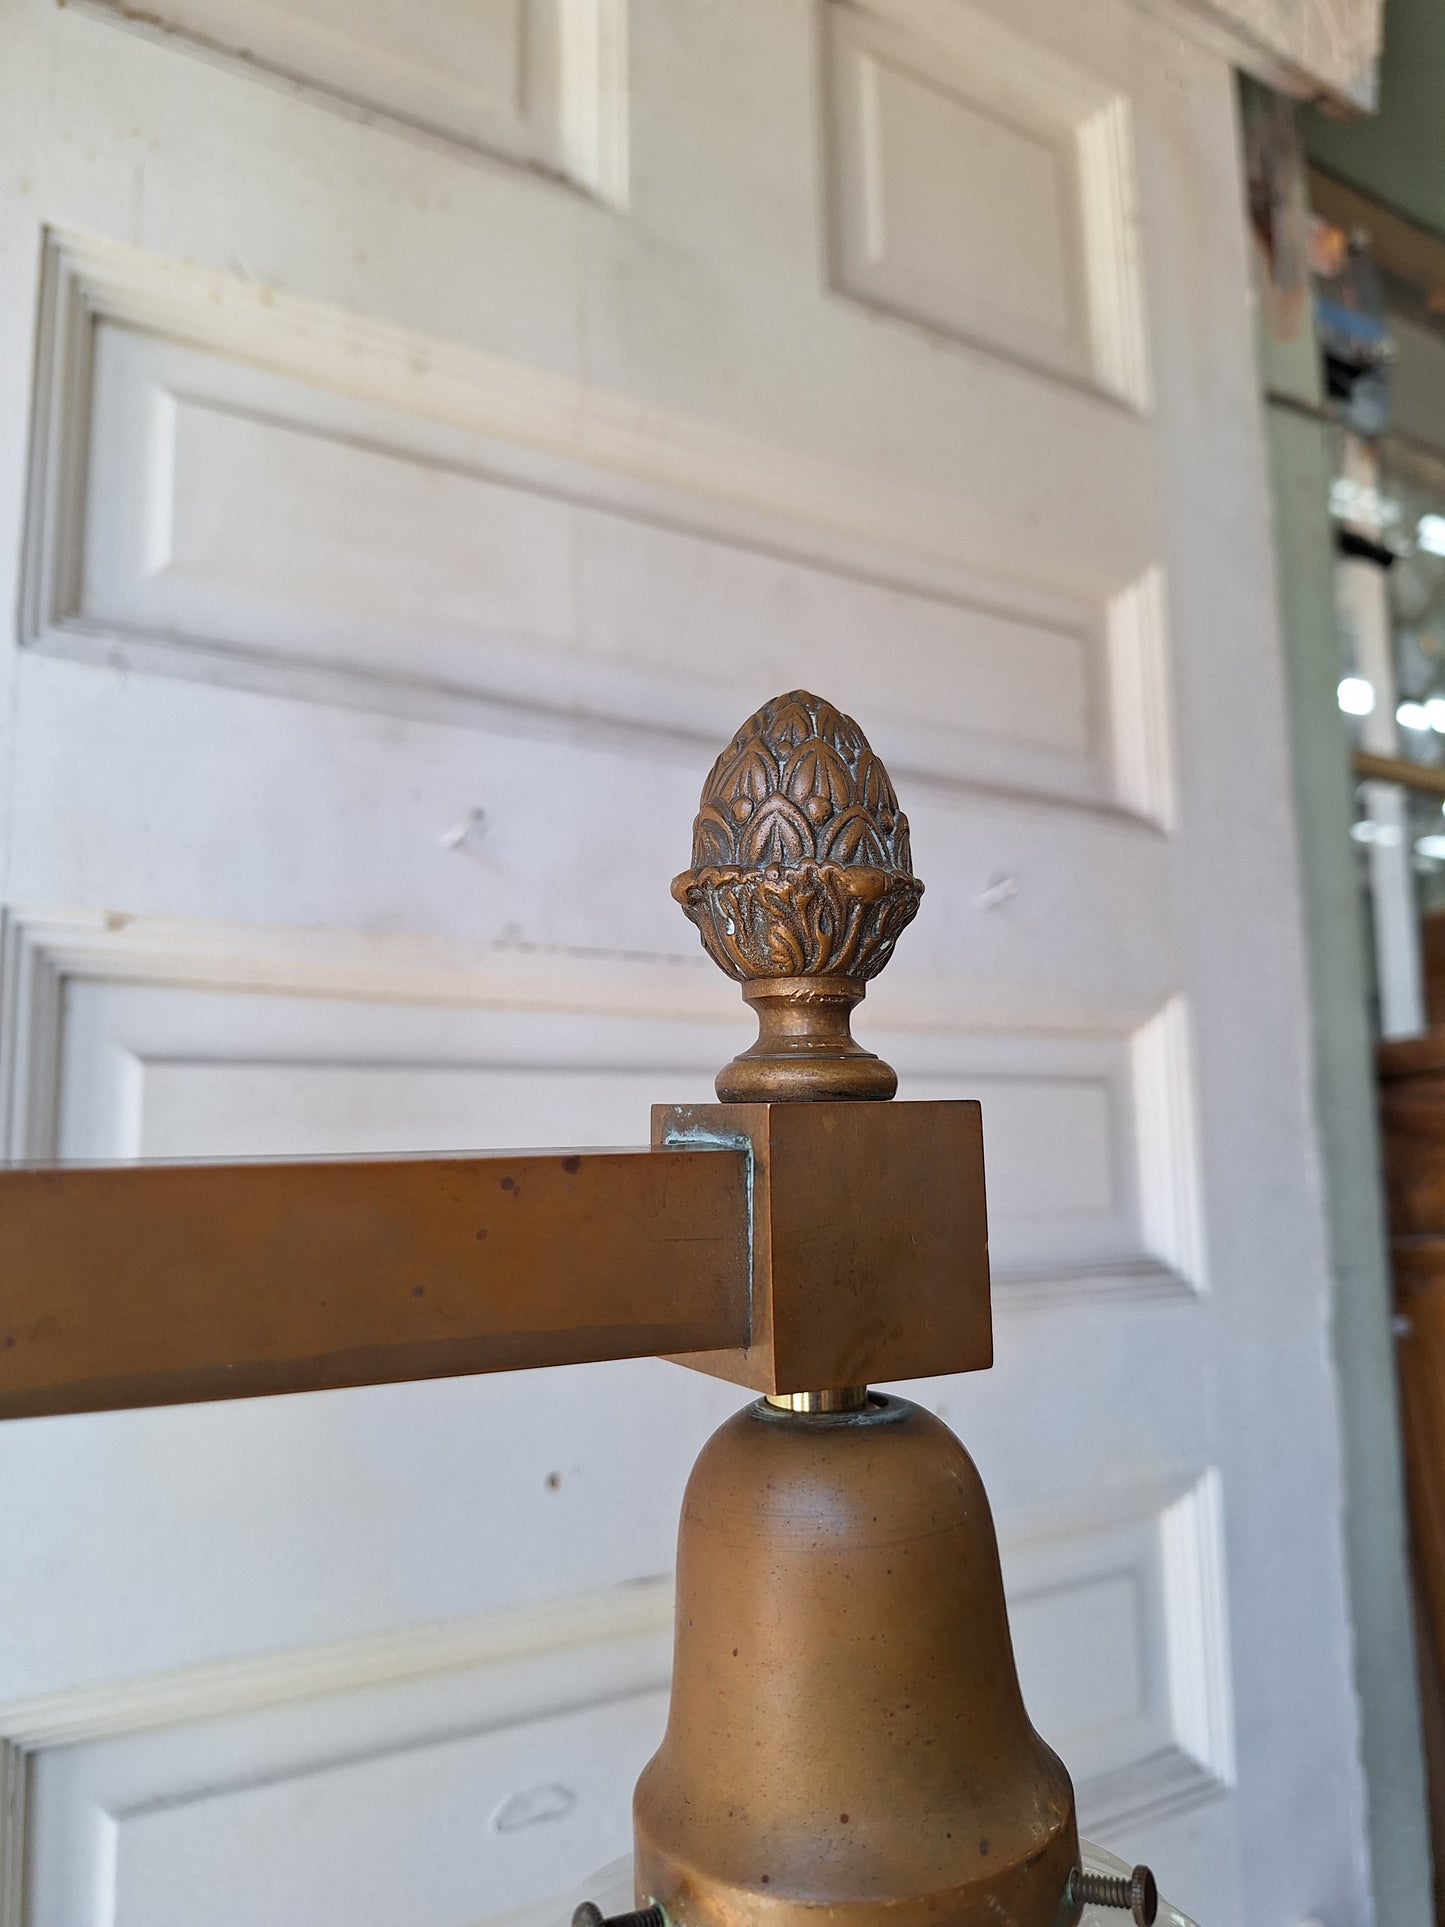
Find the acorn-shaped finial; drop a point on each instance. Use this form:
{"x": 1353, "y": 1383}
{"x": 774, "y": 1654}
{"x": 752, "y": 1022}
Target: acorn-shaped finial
{"x": 800, "y": 885}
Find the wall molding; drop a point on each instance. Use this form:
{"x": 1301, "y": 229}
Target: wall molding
{"x": 86, "y": 280}
{"x": 1113, "y": 257}
{"x": 636, "y": 1616}
{"x": 31, "y": 995}
{"x": 1140, "y": 705}
{"x": 1138, "y": 1281}
{"x": 1199, "y": 1664}
{"x": 72, "y": 1717}
{"x": 14, "y": 1793}
{"x": 1144, "y": 1793}
{"x": 43, "y": 950}
{"x": 1197, "y": 1765}
{"x": 1166, "y": 1134}
{"x": 595, "y": 88}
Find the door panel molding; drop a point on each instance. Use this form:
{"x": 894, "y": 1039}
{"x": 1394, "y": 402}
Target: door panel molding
{"x": 927, "y": 108}
{"x": 565, "y": 1689}
{"x": 1159, "y": 1738}
{"x": 545, "y": 87}
{"x": 1108, "y": 1209}
{"x": 564, "y": 533}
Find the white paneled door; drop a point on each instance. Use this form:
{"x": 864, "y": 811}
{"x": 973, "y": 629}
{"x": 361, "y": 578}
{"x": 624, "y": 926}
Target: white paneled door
{"x": 430, "y": 430}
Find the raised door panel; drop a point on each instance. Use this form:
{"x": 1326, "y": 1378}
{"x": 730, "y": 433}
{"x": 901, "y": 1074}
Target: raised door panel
{"x": 537, "y": 81}
{"x": 930, "y": 109}
{"x": 202, "y": 514}
{"x": 1091, "y": 1159}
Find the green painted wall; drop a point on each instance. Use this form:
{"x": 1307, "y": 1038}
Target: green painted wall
{"x": 1397, "y": 155}
{"x": 1374, "y": 1524}
{"x": 1374, "y": 1521}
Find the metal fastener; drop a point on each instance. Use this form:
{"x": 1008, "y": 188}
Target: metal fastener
{"x": 589, "y": 1914}
{"x": 1135, "y": 1893}
{"x": 845, "y": 1398}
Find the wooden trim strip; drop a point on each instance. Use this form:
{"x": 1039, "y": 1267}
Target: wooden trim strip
{"x": 1396, "y": 769}
{"x": 1398, "y": 244}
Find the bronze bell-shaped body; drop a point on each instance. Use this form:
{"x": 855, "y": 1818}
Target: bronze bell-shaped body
{"x": 847, "y": 1745}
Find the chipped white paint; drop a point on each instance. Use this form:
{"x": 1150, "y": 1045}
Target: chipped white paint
{"x": 1307, "y": 46}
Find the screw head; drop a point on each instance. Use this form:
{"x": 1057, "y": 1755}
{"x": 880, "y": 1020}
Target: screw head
{"x": 1143, "y": 1897}
{"x": 1137, "y": 1895}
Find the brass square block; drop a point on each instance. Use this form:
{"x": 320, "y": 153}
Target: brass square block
{"x": 869, "y": 1245}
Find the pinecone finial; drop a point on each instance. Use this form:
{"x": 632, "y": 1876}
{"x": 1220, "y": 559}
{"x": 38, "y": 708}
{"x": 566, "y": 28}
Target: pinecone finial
{"x": 801, "y": 882}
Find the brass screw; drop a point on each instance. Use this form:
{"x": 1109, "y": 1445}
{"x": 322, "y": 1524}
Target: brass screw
{"x": 589, "y": 1914}
{"x": 1136, "y": 1893}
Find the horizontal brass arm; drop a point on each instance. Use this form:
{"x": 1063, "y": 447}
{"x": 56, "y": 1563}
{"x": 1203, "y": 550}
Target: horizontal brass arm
{"x": 162, "y": 1284}
{"x": 788, "y": 1247}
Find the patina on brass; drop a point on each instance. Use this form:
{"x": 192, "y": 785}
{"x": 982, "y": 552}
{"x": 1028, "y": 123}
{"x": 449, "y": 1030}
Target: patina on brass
{"x": 869, "y": 1252}
{"x": 801, "y": 882}
{"x": 166, "y": 1283}
{"x": 846, "y": 1745}
{"x": 846, "y": 1741}
{"x": 784, "y": 1247}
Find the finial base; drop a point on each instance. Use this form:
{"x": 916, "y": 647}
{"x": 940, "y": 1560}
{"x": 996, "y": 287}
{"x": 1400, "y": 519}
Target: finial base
{"x": 805, "y": 1048}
